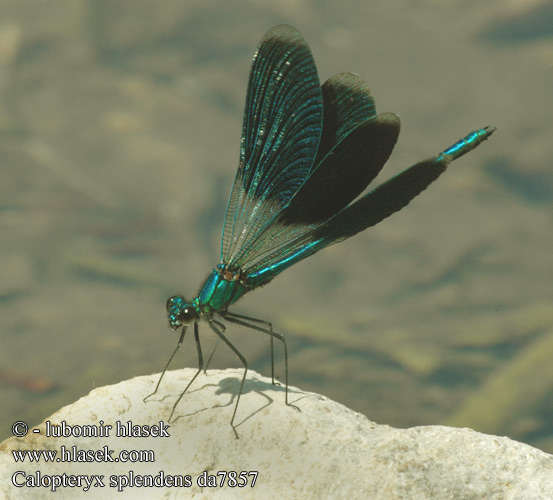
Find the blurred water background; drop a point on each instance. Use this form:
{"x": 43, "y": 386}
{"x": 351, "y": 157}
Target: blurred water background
{"x": 119, "y": 134}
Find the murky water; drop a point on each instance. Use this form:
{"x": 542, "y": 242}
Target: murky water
{"x": 120, "y": 127}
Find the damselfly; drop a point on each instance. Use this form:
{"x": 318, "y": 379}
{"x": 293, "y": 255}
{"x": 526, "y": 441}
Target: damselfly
{"x": 307, "y": 153}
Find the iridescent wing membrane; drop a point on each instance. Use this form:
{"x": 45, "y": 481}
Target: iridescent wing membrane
{"x": 307, "y": 152}
{"x": 280, "y": 136}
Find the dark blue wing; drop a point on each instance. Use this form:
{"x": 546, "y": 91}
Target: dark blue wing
{"x": 368, "y": 210}
{"x": 347, "y": 101}
{"x": 280, "y": 136}
{"x": 355, "y": 144}
{"x": 299, "y": 173}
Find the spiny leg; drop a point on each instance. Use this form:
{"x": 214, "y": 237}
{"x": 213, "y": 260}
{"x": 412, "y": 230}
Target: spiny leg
{"x": 200, "y": 366}
{"x": 243, "y": 320}
{"x": 230, "y": 316}
{"x": 211, "y": 355}
{"x": 223, "y": 328}
{"x": 213, "y": 324}
{"x": 168, "y": 363}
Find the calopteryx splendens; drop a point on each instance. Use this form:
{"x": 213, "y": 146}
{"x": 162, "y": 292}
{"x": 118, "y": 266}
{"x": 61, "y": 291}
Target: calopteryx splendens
{"x": 307, "y": 152}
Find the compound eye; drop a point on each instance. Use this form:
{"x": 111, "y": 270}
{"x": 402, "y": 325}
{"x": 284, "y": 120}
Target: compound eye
{"x": 188, "y": 315}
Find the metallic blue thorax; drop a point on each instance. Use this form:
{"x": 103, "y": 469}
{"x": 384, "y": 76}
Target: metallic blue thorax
{"x": 220, "y": 290}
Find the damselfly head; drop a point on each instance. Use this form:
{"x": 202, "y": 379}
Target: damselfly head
{"x": 180, "y": 312}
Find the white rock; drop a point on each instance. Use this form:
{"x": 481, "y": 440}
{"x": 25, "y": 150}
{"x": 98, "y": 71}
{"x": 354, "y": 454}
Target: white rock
{"x": 324, "y": 451}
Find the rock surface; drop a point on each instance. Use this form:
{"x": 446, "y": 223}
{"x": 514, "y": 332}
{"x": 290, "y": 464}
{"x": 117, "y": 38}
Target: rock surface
{"x": 324, "y": 451}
